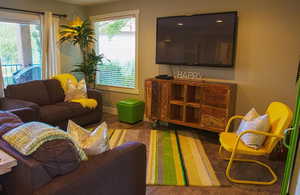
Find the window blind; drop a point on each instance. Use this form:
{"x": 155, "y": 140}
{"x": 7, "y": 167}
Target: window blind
{"x": 116, "y": 40}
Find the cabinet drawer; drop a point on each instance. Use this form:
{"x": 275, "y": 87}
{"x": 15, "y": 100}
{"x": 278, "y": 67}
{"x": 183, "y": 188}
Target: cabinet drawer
{"x": 213, "y": 118}
{"x": 215, "y": 95}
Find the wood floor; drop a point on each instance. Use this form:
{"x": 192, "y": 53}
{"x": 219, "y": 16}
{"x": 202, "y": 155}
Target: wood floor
{"x": 210, "y": 142}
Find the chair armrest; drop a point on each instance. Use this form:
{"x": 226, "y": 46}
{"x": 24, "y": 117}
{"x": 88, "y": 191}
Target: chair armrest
{"x": 254, "y": 132}
{"x": 231, "y": 120}
{"x": 260, "y": 133}
{"x": 121, "y": 170}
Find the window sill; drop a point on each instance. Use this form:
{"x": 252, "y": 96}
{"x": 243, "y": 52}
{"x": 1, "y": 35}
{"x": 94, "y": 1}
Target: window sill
{"x": 134, "y": 91}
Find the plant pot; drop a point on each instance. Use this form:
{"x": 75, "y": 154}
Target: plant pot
{"x": 90, "y": 85}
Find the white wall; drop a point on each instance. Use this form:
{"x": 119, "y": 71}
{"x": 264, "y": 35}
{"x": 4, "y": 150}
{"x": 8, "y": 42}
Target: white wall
{"x": 268, "y": 46}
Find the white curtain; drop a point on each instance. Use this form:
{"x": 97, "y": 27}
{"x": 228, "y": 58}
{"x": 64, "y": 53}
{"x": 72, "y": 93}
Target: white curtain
{"x": 1, "y": 82}
{"x": 51, "y": 53}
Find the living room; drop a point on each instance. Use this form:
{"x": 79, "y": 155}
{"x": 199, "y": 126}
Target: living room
{"x": 262, "y": 68}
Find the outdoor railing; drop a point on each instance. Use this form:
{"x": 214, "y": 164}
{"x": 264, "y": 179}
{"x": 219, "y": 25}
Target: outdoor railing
{"x": 12, "y": 72}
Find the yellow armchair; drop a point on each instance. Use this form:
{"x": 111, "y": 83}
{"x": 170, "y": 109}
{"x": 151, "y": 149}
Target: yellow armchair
{"x": 280, "y": 117}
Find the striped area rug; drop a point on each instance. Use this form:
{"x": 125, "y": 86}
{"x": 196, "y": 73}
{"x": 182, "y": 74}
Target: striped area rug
{"x": 174, "y": 157}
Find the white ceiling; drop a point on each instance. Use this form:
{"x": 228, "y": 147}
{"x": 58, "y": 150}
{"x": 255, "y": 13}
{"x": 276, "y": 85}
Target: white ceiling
{"x": 87, "y": 2}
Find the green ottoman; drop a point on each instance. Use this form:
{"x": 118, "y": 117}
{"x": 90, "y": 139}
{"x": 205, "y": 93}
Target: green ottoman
{"x": 130, "y": 110}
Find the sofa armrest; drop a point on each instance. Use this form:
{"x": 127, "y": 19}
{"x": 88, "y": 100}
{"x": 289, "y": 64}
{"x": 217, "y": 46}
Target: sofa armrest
{"x": 27, "y": 111}
{"x": 27, "y": 176}
{"x": 95, "y": 94}
{"x": 26, "y": 114}
{"x": 10, "y": 103}
{"x": 118, "y": 171}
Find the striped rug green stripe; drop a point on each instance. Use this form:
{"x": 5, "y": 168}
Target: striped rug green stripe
{"x": 175, "y": 158}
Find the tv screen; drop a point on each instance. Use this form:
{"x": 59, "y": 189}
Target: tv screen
{"x": 202, "y": 40}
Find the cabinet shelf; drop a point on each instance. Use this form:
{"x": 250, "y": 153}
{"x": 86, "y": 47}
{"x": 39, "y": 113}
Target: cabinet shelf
{"x": 177, "y": 92}
{"x": 202, "y": 105}
{"x": 176, "y": 112}
{"x": 194, "y": 94}
{"x": 193, "y": 104}
{"x": 192, "y": 115}
{"x": 177, "y": 102}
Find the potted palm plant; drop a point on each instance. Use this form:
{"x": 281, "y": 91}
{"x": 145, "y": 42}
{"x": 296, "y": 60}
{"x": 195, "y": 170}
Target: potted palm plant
{"x": 80, "y": 33}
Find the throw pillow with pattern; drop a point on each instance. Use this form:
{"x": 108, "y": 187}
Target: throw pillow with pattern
{"x": 75, "y": 91}
{"x": 92, "y": 142}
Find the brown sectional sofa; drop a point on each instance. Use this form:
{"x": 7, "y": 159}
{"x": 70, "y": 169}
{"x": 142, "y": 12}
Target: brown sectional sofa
{"x": 27, "y": 111}
{"x": 44, "y": 101}
{"x": 121, "y": 170}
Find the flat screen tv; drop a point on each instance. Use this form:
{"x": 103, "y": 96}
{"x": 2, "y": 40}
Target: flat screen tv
{"x": 197, "y": 40}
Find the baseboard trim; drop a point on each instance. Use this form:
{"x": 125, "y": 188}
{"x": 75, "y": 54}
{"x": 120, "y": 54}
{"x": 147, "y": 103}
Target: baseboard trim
{"x": 114, "y": 111}
{"x": 110, "y": 110}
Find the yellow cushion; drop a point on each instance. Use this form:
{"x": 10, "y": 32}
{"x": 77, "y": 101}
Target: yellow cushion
{"x": 75, "y": 91}
{"x": 228, "y": 140}
{"x": 63, "y": 78}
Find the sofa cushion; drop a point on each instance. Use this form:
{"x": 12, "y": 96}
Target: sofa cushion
{"x": 33, "y": 91}
{"x": 58, "y": 157}
{"x": 61, "y": 111}
{"x": 76, "y": 108}
{"x": 55, "y": 91}
{"x": 53, "y": 113}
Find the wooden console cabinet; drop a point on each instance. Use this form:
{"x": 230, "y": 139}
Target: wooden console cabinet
{"x": 199, "y": 104}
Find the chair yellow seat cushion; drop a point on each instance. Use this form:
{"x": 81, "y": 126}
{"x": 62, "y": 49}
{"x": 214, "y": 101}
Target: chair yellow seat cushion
{"x": 228, "y": 140}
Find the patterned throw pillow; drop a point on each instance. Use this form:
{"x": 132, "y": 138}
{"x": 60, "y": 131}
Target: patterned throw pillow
{"x": 252, "y": 121}
{"x": 75, "y": 91}
{"x": 92, "y": 143}
{"x": 252, "y": 114}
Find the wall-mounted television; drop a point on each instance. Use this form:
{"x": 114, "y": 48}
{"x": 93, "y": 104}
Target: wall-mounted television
{"x": 197, "y": 40}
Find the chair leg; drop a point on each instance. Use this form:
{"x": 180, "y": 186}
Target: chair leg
{"x": 229, "y": 166}
{"x": 220, "y": 150}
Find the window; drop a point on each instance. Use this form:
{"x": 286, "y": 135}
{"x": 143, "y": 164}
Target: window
{"x": 20, "y": 47}
{"x": 116, "y": 36}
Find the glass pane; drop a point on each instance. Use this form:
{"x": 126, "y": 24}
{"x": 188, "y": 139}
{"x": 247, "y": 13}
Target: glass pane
{"x": 116, "y": 40}
{"x": 20, "y": 52}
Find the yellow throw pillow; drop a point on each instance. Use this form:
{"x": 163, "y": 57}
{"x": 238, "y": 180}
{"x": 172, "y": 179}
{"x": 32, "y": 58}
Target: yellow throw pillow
{"x": 92, "y": 142}
{"x": 75, "y": 91}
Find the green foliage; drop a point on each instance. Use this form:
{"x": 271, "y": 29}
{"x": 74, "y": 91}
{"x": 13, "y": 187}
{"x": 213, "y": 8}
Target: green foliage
{"x": 35, "y": 31}
{"x": 89, "y": 66}
{"x": 114, "y": 28}
{"x": 8, "y": 43}
{"x": 82, "y": 35}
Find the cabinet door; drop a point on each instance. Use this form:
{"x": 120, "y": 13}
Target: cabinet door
{"x": 164, "y": 100}
{"x": 216, "y": 95}
{"x": 213, "y": 118}
{"x": 152, "y": 89}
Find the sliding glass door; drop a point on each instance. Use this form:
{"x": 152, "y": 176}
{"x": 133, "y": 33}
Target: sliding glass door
{"x": 20, "y": 47}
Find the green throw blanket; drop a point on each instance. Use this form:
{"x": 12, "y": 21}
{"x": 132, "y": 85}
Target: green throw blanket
{"x": 28, "y": 137}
